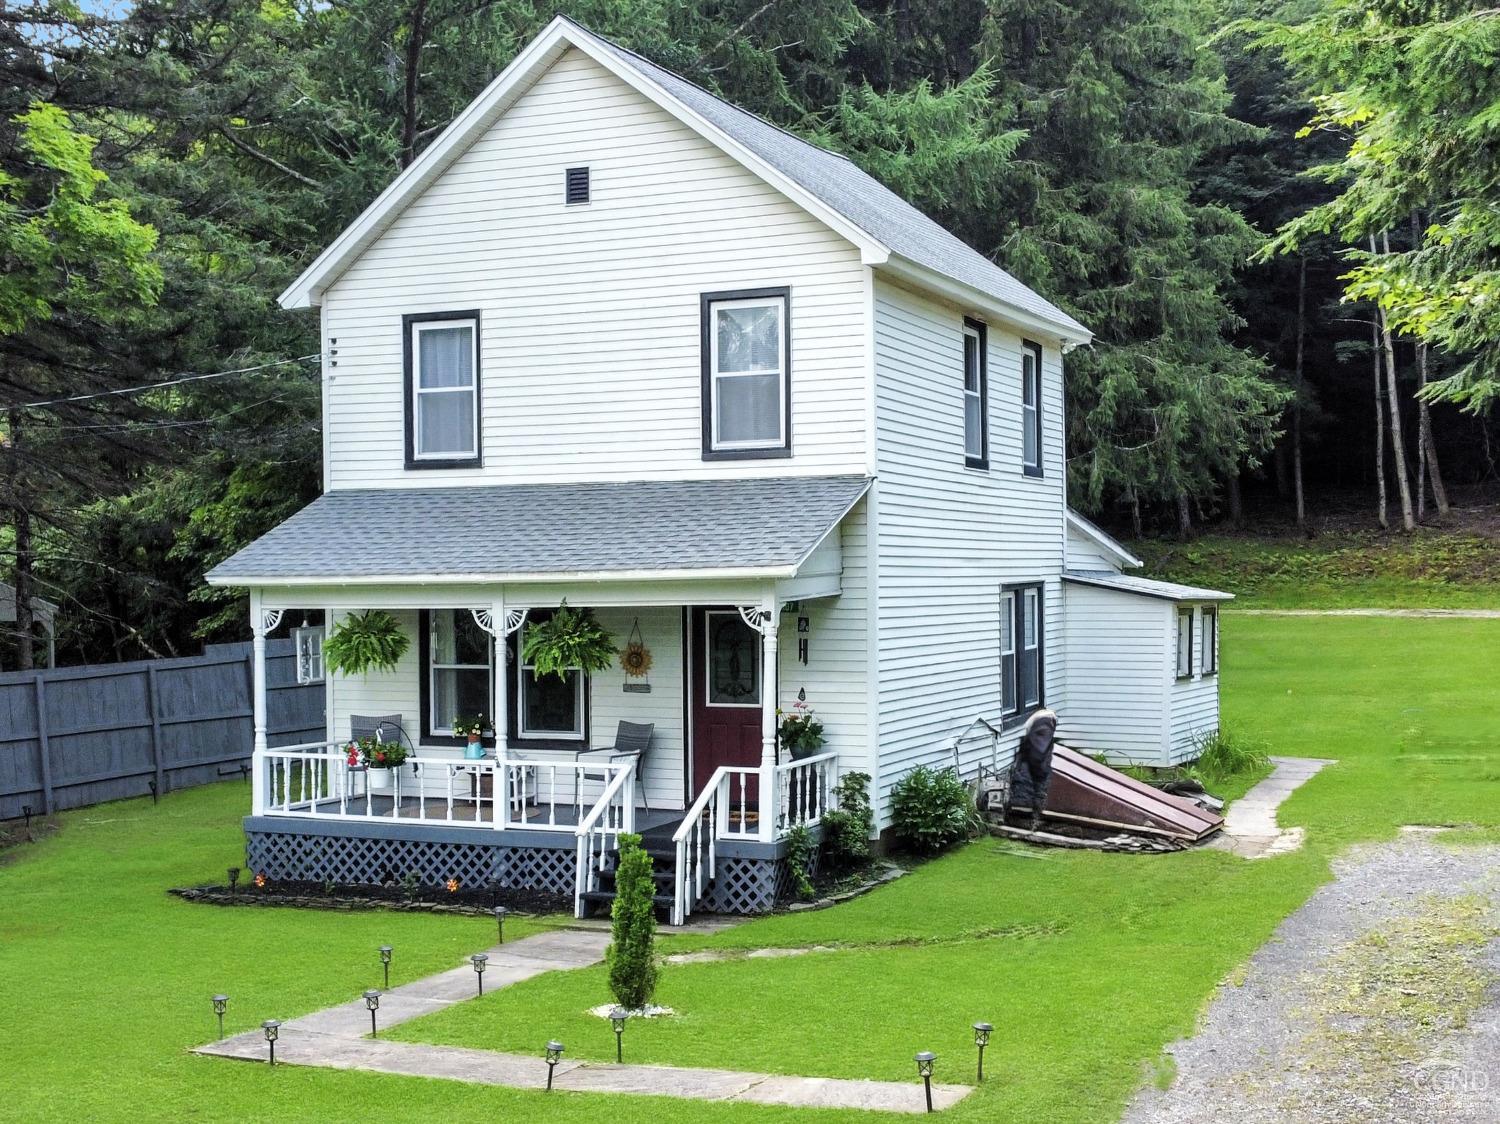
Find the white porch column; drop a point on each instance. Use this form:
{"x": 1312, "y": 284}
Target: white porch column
{"x": 765, "y": 620}
{"x": 262, "y": 621}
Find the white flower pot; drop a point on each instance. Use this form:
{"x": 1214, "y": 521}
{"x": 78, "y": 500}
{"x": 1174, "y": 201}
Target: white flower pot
{"x": 379, "y": 779}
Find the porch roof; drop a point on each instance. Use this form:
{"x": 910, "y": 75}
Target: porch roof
{"x": 1144, "y": 587}
{"x": 764, "y": 527}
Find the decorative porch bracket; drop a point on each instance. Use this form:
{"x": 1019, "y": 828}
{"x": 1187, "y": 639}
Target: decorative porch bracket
{"x": 513, "y": 619}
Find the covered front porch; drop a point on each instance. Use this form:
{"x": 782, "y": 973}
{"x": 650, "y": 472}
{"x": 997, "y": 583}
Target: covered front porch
{"x": 675, "y": 736}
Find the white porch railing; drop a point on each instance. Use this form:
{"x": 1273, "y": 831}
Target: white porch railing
{"x": 612, "y": 814}
{"x": 801, "y": 792}
{"x": 315, "y": 781}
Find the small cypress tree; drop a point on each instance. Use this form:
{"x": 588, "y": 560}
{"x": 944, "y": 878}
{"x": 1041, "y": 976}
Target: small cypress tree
{"x": 631, "y": 957}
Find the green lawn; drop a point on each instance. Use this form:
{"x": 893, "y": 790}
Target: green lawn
{"x": 1432, "y": 569}
{"x": 1087, "y": 964}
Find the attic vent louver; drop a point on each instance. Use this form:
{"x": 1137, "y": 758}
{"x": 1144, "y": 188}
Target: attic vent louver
{"x": 577, "y": 180}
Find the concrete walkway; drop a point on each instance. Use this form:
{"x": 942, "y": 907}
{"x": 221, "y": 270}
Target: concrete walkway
{"x": 1250, "y": 827}
{"x": 337, "y": 1038}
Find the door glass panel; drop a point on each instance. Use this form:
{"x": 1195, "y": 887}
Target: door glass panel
{"x": 733, "y": 661}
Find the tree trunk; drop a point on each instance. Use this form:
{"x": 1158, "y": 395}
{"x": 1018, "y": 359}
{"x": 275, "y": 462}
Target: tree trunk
{"x": 1297, "y": 396}
{"x": 1236, "y": 500}
{"x": 1379, "y": 425}
{"x": 1398, "y": 445}
{"x": 1184, "y": 516}
{"x": 25, "y": 560}
{"x": 1135, "y": 516}
{"x": 416, "y": 35}
{"x": 1428, "y": 450}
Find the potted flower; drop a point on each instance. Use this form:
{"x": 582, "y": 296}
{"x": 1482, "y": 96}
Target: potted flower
{"x": 801, "y": 731}
{"x": 379, "y": 758}
{"x": 471, "y": 727}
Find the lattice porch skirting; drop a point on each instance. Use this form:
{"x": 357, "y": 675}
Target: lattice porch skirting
{"x": 744, "y": 883}
{"x": 348, "y": 860}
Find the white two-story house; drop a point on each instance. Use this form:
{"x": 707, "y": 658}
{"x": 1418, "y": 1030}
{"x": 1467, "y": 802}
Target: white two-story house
{"x": 613, "y": 341}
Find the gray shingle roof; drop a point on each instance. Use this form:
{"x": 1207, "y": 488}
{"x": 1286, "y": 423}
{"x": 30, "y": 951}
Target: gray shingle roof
{"x": 762, "y": 525}
{"x": 1146, "y": 587}
{"x": 851, "y": 192}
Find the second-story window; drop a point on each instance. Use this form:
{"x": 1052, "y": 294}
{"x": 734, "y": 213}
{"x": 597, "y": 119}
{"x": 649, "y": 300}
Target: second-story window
{"x": 442, "y": 390}
{"x": 746, "y": 344}
{"x": 1031, "y": 409}
{"x": 976, "y": 397}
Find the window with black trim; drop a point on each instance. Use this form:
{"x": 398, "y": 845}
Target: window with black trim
{"x": 976, "y": 396}
{"x": 746, "y": 359}
{"x": 442, "y": 390}
{"x": 1008, "y": 651}
{"x": 1021, "y": 657}
{"x": 1184, "y": 643}
{"x": 1210, "y": 641}
{"x": 1031, "y": 408}
{"x": 458, "y": 671}
{"x": 548, "y": 707}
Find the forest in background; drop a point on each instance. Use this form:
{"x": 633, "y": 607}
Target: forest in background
{"x": 1281, "y": 219}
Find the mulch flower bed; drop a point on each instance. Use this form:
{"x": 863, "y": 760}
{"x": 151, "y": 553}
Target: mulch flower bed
{"x": 831, "y": 890}
{"x": 476, "y": 902}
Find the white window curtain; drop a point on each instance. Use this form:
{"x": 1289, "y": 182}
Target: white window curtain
{"x": 1031, "y": 394}
{"x": 460, "y": 669}
{"x": 748, "y": 371}
{"x": 445, "y": 392}
{"x": 973, "y": 395}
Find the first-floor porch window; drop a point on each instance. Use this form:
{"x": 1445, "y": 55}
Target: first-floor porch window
{"x": 547, "y": 706}
{"x": 460, "y": 670}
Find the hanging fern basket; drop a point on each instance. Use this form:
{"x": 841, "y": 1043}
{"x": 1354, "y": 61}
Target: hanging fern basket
{"x": 364, "y": 642}
{"x": 568, "y": 640}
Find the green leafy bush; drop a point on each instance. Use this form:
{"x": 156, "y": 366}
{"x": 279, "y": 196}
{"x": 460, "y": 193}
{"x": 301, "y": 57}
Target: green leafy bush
{"x": 631, "y": 957}
{"x": 1223, "y": 755}
{"x": 368, "y": 641}
{"x": 931, "y": 809}
{"x": 847, "y": 828}
{"x": 800, "y": 851}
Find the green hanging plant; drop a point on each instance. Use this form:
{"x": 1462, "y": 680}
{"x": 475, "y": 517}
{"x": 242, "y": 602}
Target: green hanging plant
{"x": 567, "y": 640}
{"x": 370, "y": 641}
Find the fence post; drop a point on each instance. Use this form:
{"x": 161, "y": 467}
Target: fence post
{"x": 44, "y": 752}
{"x": 153, "y": 712}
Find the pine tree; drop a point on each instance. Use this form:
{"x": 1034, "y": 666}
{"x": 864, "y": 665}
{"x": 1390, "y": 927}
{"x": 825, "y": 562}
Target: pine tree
{"x": 631, "y": 956}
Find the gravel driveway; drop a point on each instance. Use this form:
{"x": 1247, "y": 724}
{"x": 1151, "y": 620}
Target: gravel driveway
{"x": 1378, "y": 1000}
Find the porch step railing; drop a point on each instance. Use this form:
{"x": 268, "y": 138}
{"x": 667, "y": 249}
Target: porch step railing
{"x": 801, "y": 792}
{"x": 599, "y": 830}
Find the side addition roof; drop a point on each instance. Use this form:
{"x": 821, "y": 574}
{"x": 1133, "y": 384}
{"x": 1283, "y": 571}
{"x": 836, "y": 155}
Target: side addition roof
{"x": 1144, "y": 587}
{"x": 890, "y": 232}
{"x": 1102, "y": 539}
{"x": 538, "y": 532}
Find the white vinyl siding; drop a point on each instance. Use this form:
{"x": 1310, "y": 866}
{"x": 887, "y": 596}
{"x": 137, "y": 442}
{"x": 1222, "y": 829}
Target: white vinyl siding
{"x": 444, "y": 390}
{"x": 949, "y": 537}
{"x": 1119, "y": 664}
{"x": 591, "y": 314}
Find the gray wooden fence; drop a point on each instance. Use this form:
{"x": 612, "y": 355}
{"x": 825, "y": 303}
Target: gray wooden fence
{"x": 75, "y": 736}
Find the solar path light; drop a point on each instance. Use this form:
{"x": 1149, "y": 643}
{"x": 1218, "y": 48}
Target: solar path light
{"x": 385, "y": 963}
{"x": 981, "y": 1040}
{"x": 220, "y": 1003}
{"x": 479, "y": 960}
{"x": 273, "y": 1031}
{"x": 372, "y": 1001}
{"x": 924, "y": 1062}
{"x": 554, "y": 1055}
{"x": 617, "y": 1016}
{"x": 500, "y": 911}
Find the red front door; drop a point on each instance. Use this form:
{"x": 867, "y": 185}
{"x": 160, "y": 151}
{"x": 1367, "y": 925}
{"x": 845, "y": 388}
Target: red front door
{"x": 725, "y": 686}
